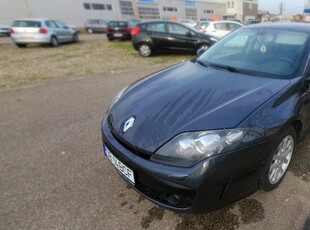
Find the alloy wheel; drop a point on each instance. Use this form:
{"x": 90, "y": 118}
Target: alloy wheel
{"x": 281, "y": 159}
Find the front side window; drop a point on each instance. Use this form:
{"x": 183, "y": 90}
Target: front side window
{"x": 266, "y": 52}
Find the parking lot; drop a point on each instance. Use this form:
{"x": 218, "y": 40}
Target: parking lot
{"x": 53, "y": 172}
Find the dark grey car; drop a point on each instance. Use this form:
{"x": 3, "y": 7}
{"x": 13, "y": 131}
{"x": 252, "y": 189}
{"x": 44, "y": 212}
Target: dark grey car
{"x": 96, "y": 26}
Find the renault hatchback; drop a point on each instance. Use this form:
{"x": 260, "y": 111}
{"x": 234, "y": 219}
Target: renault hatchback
{"x": 205, "y": 133}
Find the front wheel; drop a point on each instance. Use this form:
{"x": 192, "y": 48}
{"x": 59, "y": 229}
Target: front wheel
{"x": 145, "y": 50}
{"x": 279, "y": 159}
{"x": 90, "y": 31}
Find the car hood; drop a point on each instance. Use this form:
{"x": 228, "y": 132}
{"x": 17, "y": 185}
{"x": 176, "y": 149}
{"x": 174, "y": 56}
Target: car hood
{"x": 187, "y": 97}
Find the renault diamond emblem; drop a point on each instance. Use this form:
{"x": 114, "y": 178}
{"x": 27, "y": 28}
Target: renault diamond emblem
{"x": 128, "y": 124}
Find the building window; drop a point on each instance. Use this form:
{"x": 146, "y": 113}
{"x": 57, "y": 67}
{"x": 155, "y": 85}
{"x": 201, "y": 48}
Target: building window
{"x": 191, "y": 14}
{"x": 126, "y": 7}
{"x": 87, "y": 6}
{"x": 148, "y": 13}
{"x": 97, "y": 6}
{"x": 208, "y": 11}
{"x": 219, "y": 7}
{"x": 170, "y": 9}
{"x": 232, "y": 4}
{"x": 228, "y": 4}
{"x": 109, "y": 7}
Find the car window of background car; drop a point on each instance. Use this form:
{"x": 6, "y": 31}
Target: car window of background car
{"x": 51, "y": 24}
{"x": 26, "y": 23}
{"x": 93, "y": 21}
{"x": 220, "y": 26}
{"x": 232, "y": 26}
{"x": 117, "y": 24}
{"x": 60, "y": 24}
{"x": 177, "y": 29}
{"x": 156, "y": 27}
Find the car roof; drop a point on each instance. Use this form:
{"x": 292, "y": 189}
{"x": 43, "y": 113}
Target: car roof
{"x": 297, "y": 26}
{"x": 34, "y": 19}
{"x": 225, "y": 22}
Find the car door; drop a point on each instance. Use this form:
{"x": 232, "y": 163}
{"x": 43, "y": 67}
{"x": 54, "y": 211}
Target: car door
{"x": 305, "y": 101}
{"x": 157, "y": 32}
{"x": 65, "y": 32}
{"x": 180, "y": 37}
{"x": 52, "y": 26}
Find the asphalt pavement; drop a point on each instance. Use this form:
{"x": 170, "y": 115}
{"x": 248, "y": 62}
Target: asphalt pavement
{"x": 53, "y": 174}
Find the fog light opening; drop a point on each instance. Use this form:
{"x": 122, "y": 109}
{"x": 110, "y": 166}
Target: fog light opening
{"x": 174, "y": 199}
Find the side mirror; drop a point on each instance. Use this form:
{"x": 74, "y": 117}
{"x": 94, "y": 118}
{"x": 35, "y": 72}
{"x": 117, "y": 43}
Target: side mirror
{"x": 200, "y": 52}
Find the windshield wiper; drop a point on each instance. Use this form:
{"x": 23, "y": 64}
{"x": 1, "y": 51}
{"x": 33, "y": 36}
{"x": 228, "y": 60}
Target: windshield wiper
{"x": 202, "y": 63}
{"x": 226, "y": 67}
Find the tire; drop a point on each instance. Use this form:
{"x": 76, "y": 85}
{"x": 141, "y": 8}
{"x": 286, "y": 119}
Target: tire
{"x": 75, "y": 38}
{"x": 278, "y": 161}
{"x": 21, "y": 45}
{"x": 90, "y": 31}
{"x": 145, "y": 50}
{"x": 54, "y": 41}
{"x": 110, "y": 39}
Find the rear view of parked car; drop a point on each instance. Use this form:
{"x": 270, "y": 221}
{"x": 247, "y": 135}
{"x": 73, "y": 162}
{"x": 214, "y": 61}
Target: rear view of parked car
{"x": 96, "y": 26}
{"x": 150, "y": 37}
{"x": 4, "y": 30}
{"x": 41, "y": 31}
{"x": 118, "y": 29}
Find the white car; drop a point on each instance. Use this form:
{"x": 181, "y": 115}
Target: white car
{"x": 219, "y": 29}
{"x": 188, "y": 23}
{"x": 41, "y": 31}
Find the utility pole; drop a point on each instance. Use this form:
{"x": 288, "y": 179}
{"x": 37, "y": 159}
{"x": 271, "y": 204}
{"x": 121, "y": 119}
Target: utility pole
{"x": 29, "y": 14}
{"x": 281, "y": 8}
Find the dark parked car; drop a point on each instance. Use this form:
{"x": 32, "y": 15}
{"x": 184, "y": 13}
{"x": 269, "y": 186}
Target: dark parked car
{"x": 149, "y": 37}
{"x": 4, "y": 30}
{"x": 96, "y": 26}
{"x": 251, "y": 22}
{"x": 118, "y": 29}
{"x": 202, "y": 134}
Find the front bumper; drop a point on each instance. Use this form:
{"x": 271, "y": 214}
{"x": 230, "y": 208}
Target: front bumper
{"x": 206, "y": 186}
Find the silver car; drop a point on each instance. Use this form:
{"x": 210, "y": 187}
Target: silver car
{"x": 41, "y": 31}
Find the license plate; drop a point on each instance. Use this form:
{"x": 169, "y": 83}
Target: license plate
{"x": 118, "y": 35}
{"x": 122, "y": 168}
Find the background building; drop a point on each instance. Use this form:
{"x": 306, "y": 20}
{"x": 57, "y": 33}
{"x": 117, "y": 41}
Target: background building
{"x": 77, "y": 11}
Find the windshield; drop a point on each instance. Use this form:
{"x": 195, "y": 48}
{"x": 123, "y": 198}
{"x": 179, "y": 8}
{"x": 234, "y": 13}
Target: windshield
{"x": 266, "y": 52}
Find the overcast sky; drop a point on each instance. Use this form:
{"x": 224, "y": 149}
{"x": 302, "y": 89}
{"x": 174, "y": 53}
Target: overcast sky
{"x": 292, "y": 6}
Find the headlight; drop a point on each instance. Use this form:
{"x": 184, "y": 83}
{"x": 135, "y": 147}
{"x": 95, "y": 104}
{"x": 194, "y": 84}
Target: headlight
{"x": 188, "y": 149}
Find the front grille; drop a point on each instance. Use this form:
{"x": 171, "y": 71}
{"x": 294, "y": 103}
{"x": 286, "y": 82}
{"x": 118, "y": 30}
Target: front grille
{"x": 163, "y": 197}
